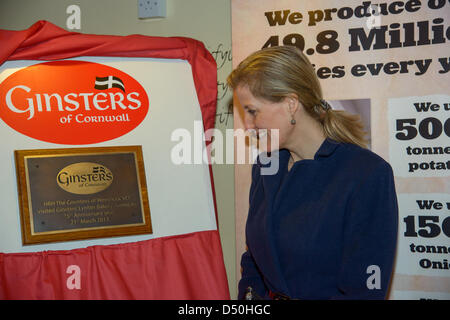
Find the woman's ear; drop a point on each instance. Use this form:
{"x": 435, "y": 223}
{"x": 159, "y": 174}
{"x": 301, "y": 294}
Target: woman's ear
{"x": 292, "y": 103}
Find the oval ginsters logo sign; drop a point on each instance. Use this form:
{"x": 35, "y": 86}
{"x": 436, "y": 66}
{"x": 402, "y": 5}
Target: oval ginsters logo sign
{"x": 84, "y": 178}
{"x": 72, "y": 102}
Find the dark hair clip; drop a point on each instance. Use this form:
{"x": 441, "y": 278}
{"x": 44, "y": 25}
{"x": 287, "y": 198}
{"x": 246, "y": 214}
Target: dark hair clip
{"x": 325, "y": 105}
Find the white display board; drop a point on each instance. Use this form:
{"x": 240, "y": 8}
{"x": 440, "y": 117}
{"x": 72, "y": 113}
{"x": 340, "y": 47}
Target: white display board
{"x": 180, "y": 196}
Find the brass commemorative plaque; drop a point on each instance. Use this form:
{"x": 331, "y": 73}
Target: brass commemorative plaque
{"x": 82, "y": 193}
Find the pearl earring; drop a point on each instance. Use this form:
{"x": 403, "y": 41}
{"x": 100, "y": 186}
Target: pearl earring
{"x": 293, "y": 122}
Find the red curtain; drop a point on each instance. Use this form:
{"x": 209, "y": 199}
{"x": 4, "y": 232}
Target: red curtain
{"x": 189, "y": 266}
{"x": 180, "y": 267}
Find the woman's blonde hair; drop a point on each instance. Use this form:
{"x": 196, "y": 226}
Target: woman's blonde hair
{"x": 276, "y": 72}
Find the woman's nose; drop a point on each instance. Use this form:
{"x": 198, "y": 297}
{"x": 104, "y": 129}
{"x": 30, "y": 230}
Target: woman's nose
{"x": 249, "y": 123}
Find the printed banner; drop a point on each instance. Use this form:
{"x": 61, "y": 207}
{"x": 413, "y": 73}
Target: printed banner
{"x": 420, "y": 131}
{"x": 388, "y": 62}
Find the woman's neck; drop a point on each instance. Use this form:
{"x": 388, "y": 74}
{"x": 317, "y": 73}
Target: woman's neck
{"x": 307, "y": 139}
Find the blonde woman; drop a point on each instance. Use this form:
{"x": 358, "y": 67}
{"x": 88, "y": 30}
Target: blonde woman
{"x": 325, "y": 225}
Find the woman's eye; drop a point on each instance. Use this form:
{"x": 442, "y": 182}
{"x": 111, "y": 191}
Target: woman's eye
{"x": 252, "y": 112}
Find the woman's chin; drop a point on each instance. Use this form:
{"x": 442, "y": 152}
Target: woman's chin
{"x": 268, "y": 148}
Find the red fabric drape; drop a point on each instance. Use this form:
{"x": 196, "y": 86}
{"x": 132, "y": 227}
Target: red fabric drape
{"x": 180, "y": 267}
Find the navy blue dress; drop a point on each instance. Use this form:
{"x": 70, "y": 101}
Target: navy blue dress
{"x": 321, "y": 230}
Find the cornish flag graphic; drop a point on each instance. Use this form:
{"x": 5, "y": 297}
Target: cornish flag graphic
{"x": 98, "y": 169}
{"x": 103, "y": 83}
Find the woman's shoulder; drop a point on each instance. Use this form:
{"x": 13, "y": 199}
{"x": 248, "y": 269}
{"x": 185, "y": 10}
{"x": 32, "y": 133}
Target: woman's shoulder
{"x": 363, "y": 160}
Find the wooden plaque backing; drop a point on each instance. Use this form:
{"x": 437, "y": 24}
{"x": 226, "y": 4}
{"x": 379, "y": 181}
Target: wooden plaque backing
{"x": 82, "y": 193}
